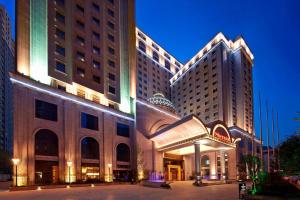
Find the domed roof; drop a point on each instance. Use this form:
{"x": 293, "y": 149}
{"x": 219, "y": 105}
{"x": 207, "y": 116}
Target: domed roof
{"x": 161, "y": 101}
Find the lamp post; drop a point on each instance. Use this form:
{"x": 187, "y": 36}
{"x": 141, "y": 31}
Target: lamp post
{"x": 16, "y": 162}
{"x": 69, "y": 163}
{"x": 109, "y": 168}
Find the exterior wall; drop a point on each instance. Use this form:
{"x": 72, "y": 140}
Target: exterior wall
{"x": 69, "y": 132}
{"x": 6, "y": 66}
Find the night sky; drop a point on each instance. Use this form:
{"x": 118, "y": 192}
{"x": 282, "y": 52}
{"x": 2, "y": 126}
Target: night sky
{"x": 270, "y": 28}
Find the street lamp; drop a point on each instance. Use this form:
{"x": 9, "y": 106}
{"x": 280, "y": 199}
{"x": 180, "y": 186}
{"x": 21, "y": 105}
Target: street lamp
{"x": 109, "y": 168}
{"x": 69, "y": 163}
{"x": 16, "y": 162}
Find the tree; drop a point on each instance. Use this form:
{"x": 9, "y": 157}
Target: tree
{"x": 253, "y": 165}
{"x": 298, "y": 120}
{"x": 290, "y": 155}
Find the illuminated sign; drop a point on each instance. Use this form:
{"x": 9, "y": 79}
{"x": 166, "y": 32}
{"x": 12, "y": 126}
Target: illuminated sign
{"x": 221, "y": 134}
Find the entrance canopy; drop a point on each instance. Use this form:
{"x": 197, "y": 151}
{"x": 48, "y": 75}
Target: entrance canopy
{"x": 179, "y": 137}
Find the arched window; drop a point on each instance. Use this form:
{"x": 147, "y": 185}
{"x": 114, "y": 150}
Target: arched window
{"x": 46, "y": 143}
{"x": 123, "y": 153}
{"x": 205, "y": 161}
{"x": 89, "y": 148}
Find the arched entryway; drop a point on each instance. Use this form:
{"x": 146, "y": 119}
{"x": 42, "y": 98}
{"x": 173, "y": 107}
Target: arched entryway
{"x": 205, "y": 167}
{"x": 46, "y": 157}
{"x": 123, "y": 173}
{"x": 90, "y": 168}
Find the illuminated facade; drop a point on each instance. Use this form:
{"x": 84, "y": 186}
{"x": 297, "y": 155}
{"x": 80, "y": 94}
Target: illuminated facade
{"x": 97, "y": 100}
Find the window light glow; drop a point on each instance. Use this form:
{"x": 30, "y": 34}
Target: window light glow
{"x": 65, "y": 97}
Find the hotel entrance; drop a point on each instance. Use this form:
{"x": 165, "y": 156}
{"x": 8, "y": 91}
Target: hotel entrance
{"x": 173, "y": 168}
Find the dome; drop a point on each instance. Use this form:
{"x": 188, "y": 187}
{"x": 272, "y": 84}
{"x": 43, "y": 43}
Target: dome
{"x": 161, "y": 101}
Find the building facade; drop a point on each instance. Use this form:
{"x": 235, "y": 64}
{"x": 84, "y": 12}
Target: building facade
{"x": 96, "y": 99}
{"x": 6, "y": 66}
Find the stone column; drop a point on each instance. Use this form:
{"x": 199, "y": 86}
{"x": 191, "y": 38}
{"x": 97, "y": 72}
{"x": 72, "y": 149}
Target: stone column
{"x": 222, "y": 159}
{"x": 197, "y": 164}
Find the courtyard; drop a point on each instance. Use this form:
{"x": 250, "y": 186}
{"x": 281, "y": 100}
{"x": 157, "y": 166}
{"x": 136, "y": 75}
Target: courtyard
{"x": 180, "y": 190}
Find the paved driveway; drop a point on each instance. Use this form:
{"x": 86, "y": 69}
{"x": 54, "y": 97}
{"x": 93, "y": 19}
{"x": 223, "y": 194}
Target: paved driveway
{"x": 180, "y": 190}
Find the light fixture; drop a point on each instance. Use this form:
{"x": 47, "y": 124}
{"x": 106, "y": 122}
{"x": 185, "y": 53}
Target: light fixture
{"x": 16, "y": 162}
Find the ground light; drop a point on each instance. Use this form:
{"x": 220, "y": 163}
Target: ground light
{"x": 39, "y": 188}
{"x": 109, "y": 173}
{"x": 92, "y": 185}
{"x": 16, "y": 162}
{"x": 69, "y": 163}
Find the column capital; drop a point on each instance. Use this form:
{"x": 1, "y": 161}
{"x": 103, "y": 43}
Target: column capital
{"x": 197, "y": 142}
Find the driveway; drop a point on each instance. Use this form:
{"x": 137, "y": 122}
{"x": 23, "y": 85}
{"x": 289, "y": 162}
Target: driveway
{"x": 180, "y": 190}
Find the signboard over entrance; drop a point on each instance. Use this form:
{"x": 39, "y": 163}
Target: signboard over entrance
{"x": 221, "y": 134}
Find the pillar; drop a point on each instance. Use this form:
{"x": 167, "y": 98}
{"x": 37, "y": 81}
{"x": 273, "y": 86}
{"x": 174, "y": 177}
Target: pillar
{"x": 222, "y": 159}
{"x": 197, "y": 164}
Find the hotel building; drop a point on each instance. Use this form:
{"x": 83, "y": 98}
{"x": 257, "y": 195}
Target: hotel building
{"x": 93, "y": 99}
{"x": 6, "y": 66}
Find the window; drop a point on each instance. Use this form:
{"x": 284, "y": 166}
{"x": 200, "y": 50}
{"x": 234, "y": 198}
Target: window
{"x": 60, "y": 87}
{"x": 110, "y": 12}
{"x": 96, "y": 79}
{"x": 111, "y": 25}
{"x": 111, "y": 37}
{"x": 80, "y": 72}
{"x": 89, "y": 121}
{"x": 80, "y": 56}
{"x": 59, "y": 33}
{"x": 96, "y": 35}
{"x": 111, "y": 50}
{"x": 111, "y": 63}
{"x": 111, "y": 76}
{"x": 96, "y": 64}
{"x": 96, "y": 21}
{"x": 96, "y": 50}
{"x": 80, "y": 9}
{"x": 96, "y": 7}
{"x": 89, "y": 148}
{"x": 111, "y": 1}
{"x": 80, "y": 40}
{"x": 123, "y": 153}
{"x": 60, "y": 66}
{"x": 122, "y": 130}
{"x": 45, "y": 110}
{"x": 167, "y": 64}
{"x": 111, "y": 90}
{"x": 155, "y": 56}
{"x": 59, "y": 50}
{"x": 46, "y": 143}
{"x": 79, "y": 24}
{"x": 60, "y": 2}
{"x": 142, "y": 46}
{"x": 59, "y": 17}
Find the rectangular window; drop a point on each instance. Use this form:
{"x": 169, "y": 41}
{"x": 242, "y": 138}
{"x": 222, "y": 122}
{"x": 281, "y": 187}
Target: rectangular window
{"x": 79, "y": 24}
{"x": 96, "y": 64}
{"x": 96, "y": 21}
{"x": 111, "y": 76}
{"x": 111, "y": 25}
{"x": 59, "y": 17}
{"x": 60, "y": 66}
{"x": 122, "y": 130}
{"x": 89, "y": 121}
{"x": 96, "y": 50}
{"x": 80, "y": 56}
{"x": 96, "y": 7}
{"x": 59, "y": 50}
{"x": 111, "y": 37}
{"x": 96, "y": 79}
{"x": 111, "y": 63}
{"x": 96, "y": 35}
{"x": 111, "y": 50}
{"x": 80, "y": 72}
{"x": 110, "y": 12}
{"x": 80, "y": 9}
{"x": 111, "y": 90}
{"x": 45, "y": 110}
{"x": 59, "y": 33}
{"x": 80, "y": 40}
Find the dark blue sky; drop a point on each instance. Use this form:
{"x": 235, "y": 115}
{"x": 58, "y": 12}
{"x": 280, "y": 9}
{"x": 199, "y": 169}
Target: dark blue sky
{"x": 271, "y": 29}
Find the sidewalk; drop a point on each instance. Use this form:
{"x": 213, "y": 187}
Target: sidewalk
{"x": 4, "y": 186}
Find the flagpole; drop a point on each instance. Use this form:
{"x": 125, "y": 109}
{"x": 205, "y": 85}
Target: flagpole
{"x": 268, "y": 139}
{"x": 278, "y": 143}
{"x": 261, "y": 133}
{"x": 273, "y": 140}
